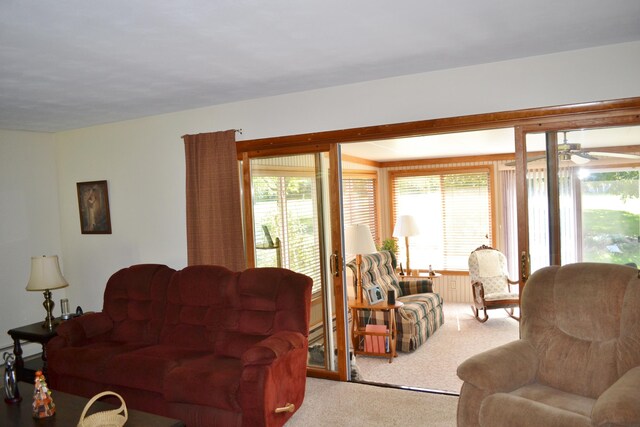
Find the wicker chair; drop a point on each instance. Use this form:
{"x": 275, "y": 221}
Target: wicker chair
{"x": 490, "y": 283}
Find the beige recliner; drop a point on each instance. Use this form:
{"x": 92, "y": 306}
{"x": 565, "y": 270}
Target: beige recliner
{"x": 577, "y": 362}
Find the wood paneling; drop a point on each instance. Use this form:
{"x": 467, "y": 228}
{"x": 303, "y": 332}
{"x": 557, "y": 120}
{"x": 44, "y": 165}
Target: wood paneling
{"x": 454, "y": 288}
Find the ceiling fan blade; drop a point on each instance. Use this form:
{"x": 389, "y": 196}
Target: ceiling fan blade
{"x": 619, "y": 155}
{"x": 581, "y": 159}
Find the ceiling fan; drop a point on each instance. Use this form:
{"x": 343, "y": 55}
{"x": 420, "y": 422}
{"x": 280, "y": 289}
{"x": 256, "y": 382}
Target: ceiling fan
{"x": 573, "y": 152}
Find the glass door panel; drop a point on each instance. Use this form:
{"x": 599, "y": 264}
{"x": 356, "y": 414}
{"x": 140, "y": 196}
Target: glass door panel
{"x": 538, "y": 201}
{"x": 600, "y": 184}
{"x": 292, "y": 229}
{"x": 583, "y": 196}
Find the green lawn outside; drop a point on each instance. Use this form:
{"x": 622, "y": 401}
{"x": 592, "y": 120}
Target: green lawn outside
{"x": 607, "y": 231}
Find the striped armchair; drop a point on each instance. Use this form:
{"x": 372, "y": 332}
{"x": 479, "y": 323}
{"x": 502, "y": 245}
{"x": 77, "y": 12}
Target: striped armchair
{"x": 419, "y": 317}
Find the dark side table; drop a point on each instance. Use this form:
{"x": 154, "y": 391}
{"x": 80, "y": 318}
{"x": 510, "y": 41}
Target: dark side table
{"x": 31, "y": 333}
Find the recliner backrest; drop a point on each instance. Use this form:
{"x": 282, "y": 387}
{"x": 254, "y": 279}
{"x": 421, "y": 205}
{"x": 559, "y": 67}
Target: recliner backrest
{"x": 212, "y": 308}
{"x": 377, "y": 270}
{"x": 134, "y": 299}
{"x": 584, "y": 322}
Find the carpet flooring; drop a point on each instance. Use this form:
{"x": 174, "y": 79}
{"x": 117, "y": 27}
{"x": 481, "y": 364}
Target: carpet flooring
{"x": 334, "y": 403}
{"x": 433, "y": 365}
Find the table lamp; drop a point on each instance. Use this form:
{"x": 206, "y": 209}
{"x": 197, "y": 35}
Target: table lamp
{"x": 45, "y": 276}
{"x": 358, "y": 241}
{"x": 406, "y": 227}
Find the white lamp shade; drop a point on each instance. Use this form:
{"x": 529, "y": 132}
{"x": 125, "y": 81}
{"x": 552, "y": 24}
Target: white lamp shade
{"x": 45, "y": 274}
{"x": 406, "y": 226}
{"x": 358, "y": 240}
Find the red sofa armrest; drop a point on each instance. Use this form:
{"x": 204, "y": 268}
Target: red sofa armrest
{"x": 274, "y": 375}
{"x": 79, "y": 330}
{"x": 268, "y": 350}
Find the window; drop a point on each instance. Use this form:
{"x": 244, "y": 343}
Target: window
{"x": 286, "y": 223}
{"x": 453, "y": 211}
{"x": 360, "y": 201}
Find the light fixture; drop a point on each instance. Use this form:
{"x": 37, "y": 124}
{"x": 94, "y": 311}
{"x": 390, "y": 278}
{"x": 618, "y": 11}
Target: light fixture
{"x": 45, "y": 276}
{"x": 406, "y": 227}
{"x": 358, "y": 241}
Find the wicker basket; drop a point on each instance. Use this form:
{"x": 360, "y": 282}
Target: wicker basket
{"x": 111, "y": 418}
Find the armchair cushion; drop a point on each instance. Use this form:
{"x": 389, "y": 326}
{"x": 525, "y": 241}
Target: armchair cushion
{"x": 419, "y": 286}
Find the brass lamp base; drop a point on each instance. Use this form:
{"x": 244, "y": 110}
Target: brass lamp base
{"x": 48, "y": 305}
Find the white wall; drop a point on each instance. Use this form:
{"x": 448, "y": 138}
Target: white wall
{"x": 143, "y": 160}
{"x": 29, "y": 226}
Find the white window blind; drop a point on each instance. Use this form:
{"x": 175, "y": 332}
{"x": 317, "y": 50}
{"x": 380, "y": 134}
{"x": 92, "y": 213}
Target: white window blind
{"x": 359, "y": 202}
{"x": 286, "y": 207}
{"x": 453, "y": 212}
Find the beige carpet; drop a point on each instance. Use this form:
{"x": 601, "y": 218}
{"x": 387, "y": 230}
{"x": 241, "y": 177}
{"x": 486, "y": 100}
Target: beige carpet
{"x": 333, "y": 403}
{"x": 433, "y": 365}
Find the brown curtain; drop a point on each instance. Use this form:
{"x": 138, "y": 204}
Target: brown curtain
{"x": 214, "y": 218}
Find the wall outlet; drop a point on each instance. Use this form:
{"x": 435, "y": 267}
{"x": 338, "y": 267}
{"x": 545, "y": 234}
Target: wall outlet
{"x": 452, "y": 283}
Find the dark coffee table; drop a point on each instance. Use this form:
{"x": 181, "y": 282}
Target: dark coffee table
{"x": 68, "y": 410}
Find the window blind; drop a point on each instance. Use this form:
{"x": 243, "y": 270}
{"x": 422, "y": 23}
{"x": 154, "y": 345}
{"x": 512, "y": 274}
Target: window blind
{"x": 359, "y": 202}
{"x": 286, "y": 207}
{"x": 453, "y": 212}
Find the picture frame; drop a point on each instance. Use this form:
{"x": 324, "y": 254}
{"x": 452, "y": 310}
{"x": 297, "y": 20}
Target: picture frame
{"x": 93, "y": 205}
{"x": 375, "y": 295}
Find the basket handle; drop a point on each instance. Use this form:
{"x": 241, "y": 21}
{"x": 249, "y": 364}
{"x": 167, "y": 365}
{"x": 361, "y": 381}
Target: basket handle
{"x": 122, "y": 407}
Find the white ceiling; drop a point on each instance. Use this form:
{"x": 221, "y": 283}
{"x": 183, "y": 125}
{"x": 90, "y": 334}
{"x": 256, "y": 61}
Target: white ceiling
{"x": 74, "y": 63}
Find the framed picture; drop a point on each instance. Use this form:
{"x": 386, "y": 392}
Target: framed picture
{"x": 93, "y": 203}
{"x": 375, "y": 295}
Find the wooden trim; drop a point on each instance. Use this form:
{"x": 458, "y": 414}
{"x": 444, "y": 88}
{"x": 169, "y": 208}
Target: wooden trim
{"x": 248, "y": 211}
{"x": 440, "y": 171}
{"x": 553, "y": 197}
{"x": 534, "y": 117}
{"x": 284, "y": 150}
{"x": 335, "y": 284}
{"x": 361, "y": 161}
{"x": 448, "y": 160}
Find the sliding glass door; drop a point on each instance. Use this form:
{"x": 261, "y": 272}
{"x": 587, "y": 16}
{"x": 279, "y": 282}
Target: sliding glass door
{"x": 579, "y": 193}
{"x": 294, "y": 223}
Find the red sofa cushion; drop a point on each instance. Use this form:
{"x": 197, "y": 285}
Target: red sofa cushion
{"x": 209, "y": 381}
{"x": 146, "y": 368}
{"x": 88, "y": 361}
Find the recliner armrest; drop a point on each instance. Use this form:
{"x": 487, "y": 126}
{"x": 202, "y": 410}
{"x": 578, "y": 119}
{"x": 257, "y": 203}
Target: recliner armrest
{"x": 273, "y": 347}
{"x": 503, "y": 368}
{"x": 620, "y": 404}
{"x": 419, "y": 286}
{"x": 79, "y": 329}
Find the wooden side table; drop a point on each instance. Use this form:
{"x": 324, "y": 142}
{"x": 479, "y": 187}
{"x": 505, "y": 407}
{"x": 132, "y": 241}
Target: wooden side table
{"x": 32, "y": 333}
{"x": 358, "y": 331}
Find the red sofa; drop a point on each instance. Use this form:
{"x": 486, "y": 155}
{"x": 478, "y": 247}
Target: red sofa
{"x": 204, "y": 344}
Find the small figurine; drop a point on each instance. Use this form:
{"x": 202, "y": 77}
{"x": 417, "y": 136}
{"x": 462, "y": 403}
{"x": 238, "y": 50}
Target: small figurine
{"x": 43, "y": 405}
{"x": 431, "y": 272}
{"x": 401, "y": 270}
{"x": 11, "y": 391}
